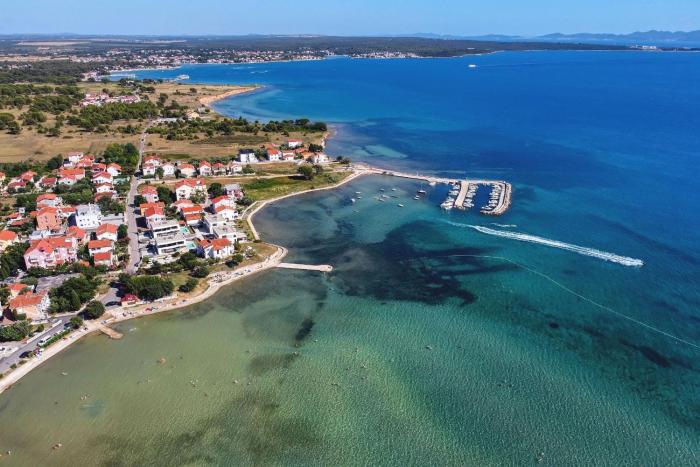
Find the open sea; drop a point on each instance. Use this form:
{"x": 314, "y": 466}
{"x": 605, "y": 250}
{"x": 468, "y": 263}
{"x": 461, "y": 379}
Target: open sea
{"x": 432, "y": 342}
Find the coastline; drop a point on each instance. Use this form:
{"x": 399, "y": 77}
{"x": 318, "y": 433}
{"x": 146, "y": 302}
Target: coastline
{"x": 208, "y": 101}
{"x": 214, "y": 283}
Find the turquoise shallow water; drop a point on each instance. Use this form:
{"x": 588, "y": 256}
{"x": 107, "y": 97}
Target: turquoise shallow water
{"x": 430, "y": 343}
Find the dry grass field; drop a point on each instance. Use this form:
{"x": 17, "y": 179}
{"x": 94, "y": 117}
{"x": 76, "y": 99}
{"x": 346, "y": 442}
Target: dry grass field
{"x": 32, "y": 145}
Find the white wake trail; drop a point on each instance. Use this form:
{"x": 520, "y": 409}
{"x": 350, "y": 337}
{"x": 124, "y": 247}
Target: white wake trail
{"x": 582, "y": 250}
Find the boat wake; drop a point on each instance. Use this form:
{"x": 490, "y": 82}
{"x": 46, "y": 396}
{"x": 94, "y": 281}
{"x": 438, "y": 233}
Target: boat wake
{"x": 522, "y": 237}
{"x": 504, "y": 226}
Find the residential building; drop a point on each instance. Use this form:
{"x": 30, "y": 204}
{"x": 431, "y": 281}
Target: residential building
{"x": 144, "y": 206}
{"x": 150, "y": 194}
{"x": 218, "y": 248}
{"x": 104, "y": 259}
{"x": 102, "y": 177}
{"x": 294, "y": 143}
{"x": 88, "y": 216}
{"x": 247, "y": 156}
{"x": 164, "y": 228}
{"x": 48, "y": 200}
{"x": 77, "y": 174}
{"x": 7, "y": 238}
{"x": 204, "y": 169}
{"x": 169, "y": 169}
{"x": 77, "y": 233}
{"x": 114, "y": 170}
{"x": 50, "y": 252}
{"x": 184, "y": 189}
{"x": 274, "y": 155}
{"x": 171, "y": 244}
{"x": 320, "y": 158}
{"x": 100, "y": 246}
{"x": 48, "y": 218}
{"x": 186, "y": 170}
{"x": 33, "y": 305}
{"x": 107, "y": 232}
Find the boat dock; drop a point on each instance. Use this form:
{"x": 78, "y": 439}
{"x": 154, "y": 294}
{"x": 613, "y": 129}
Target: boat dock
{"x": 306, "y": 267}
{"x": 461, "y": 195}
{"x": 110, "y": 332}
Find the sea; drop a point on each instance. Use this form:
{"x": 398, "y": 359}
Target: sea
{"x": 565, "y": 332}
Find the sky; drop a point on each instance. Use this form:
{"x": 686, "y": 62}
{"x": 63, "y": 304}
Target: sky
{"x": 345, "y": 17}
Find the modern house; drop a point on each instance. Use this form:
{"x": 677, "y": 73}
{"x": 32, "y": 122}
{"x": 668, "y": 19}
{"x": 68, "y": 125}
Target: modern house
{"x": 184, "y": 189}
{"x": 247, "y": 156}
{"x": 88, "y": 216}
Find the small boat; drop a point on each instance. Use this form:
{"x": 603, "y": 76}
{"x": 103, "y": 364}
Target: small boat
{"x": 358, "y": 192}
{"x": 400, "y": 205}
{"x": 432, "y": 183}
{"x": 416, "y": 197}
{"x": 471, "y": 65}
{"x": 393, "y": 189}
{"x": 352, "y": 200}
{"x": 421, "y": 192}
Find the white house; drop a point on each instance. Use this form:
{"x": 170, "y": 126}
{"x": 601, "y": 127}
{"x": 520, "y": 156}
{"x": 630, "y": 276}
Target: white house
{"x": 320, "y": 158}
{"x": 187, "y": 170}
{"x": 168, "y": 169}
{"x": 247, "y": 156}
{"x": 217, "y": 248}
{"x": 88, "y": 216}
{"x": 148, "y": 170}
{"x": 114, "y": 170}
{"x": 107, "y": 232}
{"x": 184, "y": 189}
{"x": 204, "y": 169}
{"x": 102, "y": 177}
{"x": 104, "y": 188}
{"x": 274, "y": 155}
{"x": 294, "y": 143}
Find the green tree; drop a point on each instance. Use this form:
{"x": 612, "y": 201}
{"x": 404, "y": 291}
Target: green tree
{"x": 306, "y": 171}
{"x": 73, "y": 300}
{"x": 188, "y": 286}
{"x": 15, "y": 332}
{"x": 76, "y": 322}
{"x": 94, "y": 310}
{"x": 216, "y": 190}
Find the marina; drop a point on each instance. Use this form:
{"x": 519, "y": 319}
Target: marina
{"x": 462, "y": 192}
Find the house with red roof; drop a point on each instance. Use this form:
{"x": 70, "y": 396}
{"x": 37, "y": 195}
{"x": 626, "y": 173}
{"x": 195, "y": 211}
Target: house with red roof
{"x": 51, "y": 252}
{"x": 77, "y": 174}
{"x": 184, "y": 189}
{"x": 7, "y": 238}
{"x": 33, "y": 305}
{"x": 100, "y": 246}
{"x": 144, "y": 206}
{"x": 77, "y": 233}
{"x": 150, "y": 194}
{"x": 101, "y": 178}
{"x": 107, "y": 232}
{"x": 114, "y": 170}
{"x": 204, "y": 169}
{"x": 217, "y": 248}
{"x": 294, "y": 143}
{"x": 48, "y": 218}
{"x": 274, "y": 155}
{"x": 48, "y": 182}
{"x": 28, "y": 176}
{"x": 18, "y": 288}
{"x": 104, "y": 259}
{"x": 186, "y": 170}
{"x": 218, "y": 168}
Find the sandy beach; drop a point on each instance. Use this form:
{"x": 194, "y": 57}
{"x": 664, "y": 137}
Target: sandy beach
{"x": 209, "y": 100}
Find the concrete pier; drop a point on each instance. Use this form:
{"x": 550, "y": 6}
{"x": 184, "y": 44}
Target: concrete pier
{"x": 110, "y": 332}
{"x": 307, "y": 267}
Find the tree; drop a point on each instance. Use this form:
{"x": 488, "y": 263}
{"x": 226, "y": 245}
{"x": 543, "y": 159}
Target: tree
{"x": 248, "y": 169}
{"x": 15, "y": 332}
{"x": 159, "y": 172}
{"x": 313, "y": 147}
{"x": 76, "y": 322}
{"x": 200, "y": 271}
{"x": 306, "y": 171}
{"x": 122, "y": 231}
{"x": 147, "y": 287}
{"x": 139, "y": 200}
{"x": 215, "y": 190}
{"x": 189, "y": 286}
{"x": 73, "y": 300}
{"x": 165, "y": 194}
{"x": 94, "y": 310}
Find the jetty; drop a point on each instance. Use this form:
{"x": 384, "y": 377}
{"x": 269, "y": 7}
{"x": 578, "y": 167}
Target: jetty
{"x": 307, "y": 267}
{"x": 110, "y": 332}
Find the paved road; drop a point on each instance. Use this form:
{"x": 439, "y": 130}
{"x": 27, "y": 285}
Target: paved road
{"x": 132, "y": 211}
{"x": 7, "y": 362}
